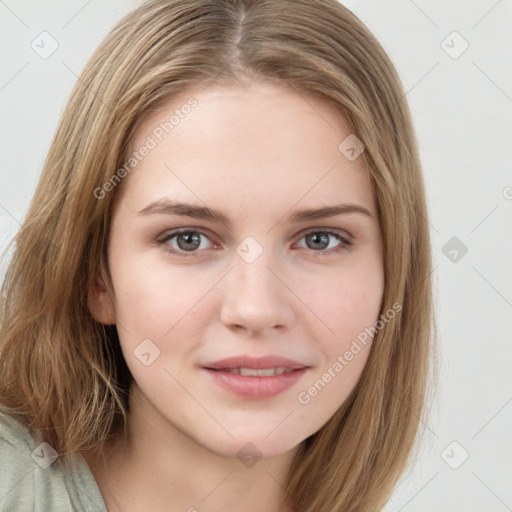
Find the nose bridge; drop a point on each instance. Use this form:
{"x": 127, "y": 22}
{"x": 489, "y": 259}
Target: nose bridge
{"x": 254, "y": 278}
{"x": 254, "y": 296}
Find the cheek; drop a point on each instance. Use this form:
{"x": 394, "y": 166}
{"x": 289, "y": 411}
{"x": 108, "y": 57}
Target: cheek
{"x": 350, "y": 306}
{"x": 156, "y": 311}
{"x": 348, "y": 302}
{"x": 152, "y": 299}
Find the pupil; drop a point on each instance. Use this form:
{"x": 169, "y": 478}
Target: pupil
{"x": 190, "y": 238}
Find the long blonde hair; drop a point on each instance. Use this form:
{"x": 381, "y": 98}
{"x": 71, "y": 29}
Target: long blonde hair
{"x": 65, "y": 372}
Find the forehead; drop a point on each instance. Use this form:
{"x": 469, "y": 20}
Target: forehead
{"x": 264, "y": 140}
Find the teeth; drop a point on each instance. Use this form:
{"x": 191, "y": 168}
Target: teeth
{"x": 267, "y": 372}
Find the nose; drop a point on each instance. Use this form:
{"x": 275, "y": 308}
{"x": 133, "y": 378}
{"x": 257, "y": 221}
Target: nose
{"x": 256, "y": 297}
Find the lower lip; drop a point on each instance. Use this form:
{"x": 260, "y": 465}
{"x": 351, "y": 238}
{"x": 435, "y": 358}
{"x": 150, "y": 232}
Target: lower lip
{"x": 255, "y": 388}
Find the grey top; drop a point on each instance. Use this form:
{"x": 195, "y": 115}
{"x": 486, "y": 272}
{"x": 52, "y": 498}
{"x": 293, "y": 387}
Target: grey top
{"x": 33, "y": 478}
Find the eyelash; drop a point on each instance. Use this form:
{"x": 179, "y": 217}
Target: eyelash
{"x": 344, "y": 245}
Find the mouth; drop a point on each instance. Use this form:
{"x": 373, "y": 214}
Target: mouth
{"x": 255, "y": 378}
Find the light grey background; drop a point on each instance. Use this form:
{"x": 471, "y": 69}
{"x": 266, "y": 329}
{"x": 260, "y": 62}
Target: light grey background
{"x": 462, "y": 105}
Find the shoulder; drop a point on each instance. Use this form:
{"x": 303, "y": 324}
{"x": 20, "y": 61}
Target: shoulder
{"x": 15, "y": 435}
{"x": 16, "y": 482}
{"x": 34, "y": 477}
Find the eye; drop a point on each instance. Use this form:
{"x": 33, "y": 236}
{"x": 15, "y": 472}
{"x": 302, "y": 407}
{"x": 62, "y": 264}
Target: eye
{"x": 184, "y": 242}
{"x": 318, "y": 241}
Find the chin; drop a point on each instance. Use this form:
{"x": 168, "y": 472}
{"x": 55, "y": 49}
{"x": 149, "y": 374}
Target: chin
{"x": 250, "y": 447}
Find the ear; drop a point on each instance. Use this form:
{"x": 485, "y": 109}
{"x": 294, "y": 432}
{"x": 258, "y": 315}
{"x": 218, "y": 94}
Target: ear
{"x": 100, "y": 303}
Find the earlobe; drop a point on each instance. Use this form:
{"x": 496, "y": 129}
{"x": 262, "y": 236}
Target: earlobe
{"x": 100, "y": 302}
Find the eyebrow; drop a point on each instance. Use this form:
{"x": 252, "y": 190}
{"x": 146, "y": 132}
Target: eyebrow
{"x": 169, "y": 207}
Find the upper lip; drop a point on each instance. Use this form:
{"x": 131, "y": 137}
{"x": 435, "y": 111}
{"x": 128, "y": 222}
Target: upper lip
{"x": 258, "y": 363}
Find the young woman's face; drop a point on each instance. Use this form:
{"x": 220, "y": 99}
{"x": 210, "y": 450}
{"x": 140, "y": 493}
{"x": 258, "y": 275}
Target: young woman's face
{"x": 266, "y": 280}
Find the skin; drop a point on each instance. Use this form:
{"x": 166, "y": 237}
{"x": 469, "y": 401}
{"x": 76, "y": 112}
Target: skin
{"x": 256, "y": 153}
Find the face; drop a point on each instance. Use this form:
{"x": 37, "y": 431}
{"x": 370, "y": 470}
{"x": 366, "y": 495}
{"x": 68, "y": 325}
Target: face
{"x": 246, "y": 268}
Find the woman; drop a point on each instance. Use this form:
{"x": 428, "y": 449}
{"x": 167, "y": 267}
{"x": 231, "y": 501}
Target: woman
{"x": 220, "y": 297}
